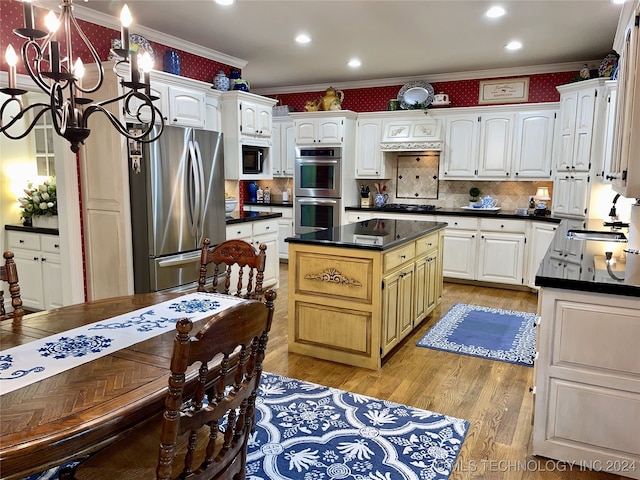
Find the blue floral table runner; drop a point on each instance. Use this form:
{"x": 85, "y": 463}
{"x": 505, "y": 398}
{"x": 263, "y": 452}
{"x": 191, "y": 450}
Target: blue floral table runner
{"x": 34, "y": 361}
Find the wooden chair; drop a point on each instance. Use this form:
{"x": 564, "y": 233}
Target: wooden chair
{"x": 209, "y": 408}
{"x": 9, "y": 274}
{"x": 234, "y": 258}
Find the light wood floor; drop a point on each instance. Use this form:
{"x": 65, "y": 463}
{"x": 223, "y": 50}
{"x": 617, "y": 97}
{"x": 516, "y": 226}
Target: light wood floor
{"x": 493, "y": 396}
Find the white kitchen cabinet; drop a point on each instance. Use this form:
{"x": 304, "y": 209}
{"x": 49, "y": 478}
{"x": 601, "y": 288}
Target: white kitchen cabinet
{"x": 587, "y": 381}
{"x": 580, "y": 137}
{"x": 285, "y": 229}
{"x": 501, "y": 251}
{"x": 354, "y": 216}
{"x": 213, "y": 111}
{"x": 564, "y": 248}
{"x": 461, "y": 147}
{"x": 478, "y": 145}
{"x": 370, "y": 161}
{"x": 533, "y": 144}
{"x": 37, "y": 258}
{"x": 246, "y": 120}
{"x": 460, "y": 247}
{"x": 570, "y": 194}
{"x": 624, "y": 172}
{"x": 327, "y": 128}
{"x": 257, "y": 232}
{"x": 283, "y": 151}
{"x": 540, "y": 239}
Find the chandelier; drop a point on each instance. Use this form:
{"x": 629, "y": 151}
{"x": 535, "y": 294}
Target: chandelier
{"x": 59, "y": 75}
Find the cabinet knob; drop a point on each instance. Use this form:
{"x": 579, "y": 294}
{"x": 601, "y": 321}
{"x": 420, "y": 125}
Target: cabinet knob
{"x": 43, "y": 259}
{"x": 36, "y": 258}
{"x": 20, "y": 241}
{"x": 55, "y": 245}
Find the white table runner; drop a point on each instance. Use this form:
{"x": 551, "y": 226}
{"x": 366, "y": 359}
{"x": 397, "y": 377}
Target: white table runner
{"x": 26, "y": 364}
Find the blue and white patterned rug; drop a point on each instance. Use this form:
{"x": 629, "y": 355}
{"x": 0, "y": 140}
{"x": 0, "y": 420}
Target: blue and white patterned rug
{"x": 506, "y": 335}
{"x": 306, "y": 431}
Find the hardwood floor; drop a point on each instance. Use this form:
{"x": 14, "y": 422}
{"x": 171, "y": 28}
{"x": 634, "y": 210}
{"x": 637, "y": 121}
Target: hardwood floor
{"x": 493, "y": 396}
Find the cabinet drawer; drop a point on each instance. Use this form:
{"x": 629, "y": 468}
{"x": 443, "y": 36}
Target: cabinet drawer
{"x": 239, "y": 230}
{"x": 497, "y": 225}
{"x": 287, "y": 212}
{"x": 426, "y": 244}
{"x": 20, "y": 240}
{"x": 460, "y": 223}
{"x": 399, "y": 256}
{"x": 50, "y": 243}
{"x": 262, "y": 227}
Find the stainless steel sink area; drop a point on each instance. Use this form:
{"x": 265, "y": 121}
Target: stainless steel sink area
{"x": 601, "y": 236}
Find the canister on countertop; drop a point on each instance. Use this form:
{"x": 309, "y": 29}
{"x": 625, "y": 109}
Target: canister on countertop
{"x": 267, "y": 195}
{"x": 259, "y": 195}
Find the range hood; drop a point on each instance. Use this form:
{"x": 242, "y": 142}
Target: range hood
{"x": 412, "y": 134}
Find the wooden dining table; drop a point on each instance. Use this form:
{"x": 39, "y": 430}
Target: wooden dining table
{"x": 81, "y": 410}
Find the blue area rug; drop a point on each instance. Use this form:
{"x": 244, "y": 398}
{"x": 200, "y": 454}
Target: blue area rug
{"x": 506, "y": 335}
{"x": 306, "y": 431}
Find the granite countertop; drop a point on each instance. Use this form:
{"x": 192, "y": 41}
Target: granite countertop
{"x": 21, "y": 228}
{"x": 580, "y": 264}
{"x": 373, "y": 234}
{"x": 507, "y": 214}
{"x": 237, "y": 217}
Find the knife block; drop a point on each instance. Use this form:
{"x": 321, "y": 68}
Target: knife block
{"x": 365, "y": 202}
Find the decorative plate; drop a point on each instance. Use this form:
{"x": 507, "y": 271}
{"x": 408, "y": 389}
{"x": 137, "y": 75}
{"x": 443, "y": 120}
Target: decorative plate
{"x": 137, "y": 43}
{"x": 414, "y": 95}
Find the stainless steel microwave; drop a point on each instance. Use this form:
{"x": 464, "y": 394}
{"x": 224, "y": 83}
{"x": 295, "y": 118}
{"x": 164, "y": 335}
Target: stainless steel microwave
{"x": 253, "y": 159}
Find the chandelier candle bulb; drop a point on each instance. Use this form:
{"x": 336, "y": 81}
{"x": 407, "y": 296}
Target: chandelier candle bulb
{"x": 28, "y": 14}
{"x": 11, "y": 59}
{"x": 125, "y": 19}
{"x": 54, "y": 48}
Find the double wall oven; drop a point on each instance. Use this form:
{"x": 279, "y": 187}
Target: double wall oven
{"x": 318, "y": 188}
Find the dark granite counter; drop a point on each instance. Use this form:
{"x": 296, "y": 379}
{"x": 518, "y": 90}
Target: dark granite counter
{"x": 580, "y": 264}
{"x": 22, "y": 228}
{"x": 506, "y": 214}
{"x": 237, "y": 217}
{"x": 370, "y": 234}
{"x": 269, "y": 204}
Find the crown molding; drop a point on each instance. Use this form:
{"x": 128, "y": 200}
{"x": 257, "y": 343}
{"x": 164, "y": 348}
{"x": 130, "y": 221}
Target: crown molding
{"x": 439, "y": 77}
{"x": 109, "y": 21}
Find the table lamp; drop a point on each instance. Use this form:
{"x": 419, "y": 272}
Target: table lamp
{"x": 542, "y": 193}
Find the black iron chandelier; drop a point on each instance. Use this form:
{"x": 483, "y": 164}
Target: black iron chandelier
{"x": 60, "y": 76}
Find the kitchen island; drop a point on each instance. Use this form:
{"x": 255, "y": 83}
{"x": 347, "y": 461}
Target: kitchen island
{"x": 357, "y": 290}
{"x": 587, "y": 370}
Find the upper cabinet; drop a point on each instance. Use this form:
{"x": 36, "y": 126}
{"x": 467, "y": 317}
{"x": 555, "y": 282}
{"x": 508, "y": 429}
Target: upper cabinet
{"x": 499, "y": 143}
{"x": 624, "y": 171}
{"x": 283, "y": 151}
{"x": 324, "y": 128}
{"x": 370, "y": 161}
{"x": 246, "y": 120}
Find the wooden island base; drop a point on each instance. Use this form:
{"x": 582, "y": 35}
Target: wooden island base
{"x": 353, "y": 302}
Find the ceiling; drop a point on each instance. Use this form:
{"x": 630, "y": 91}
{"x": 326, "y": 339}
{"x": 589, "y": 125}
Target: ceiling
{"x": 393, "y": 39}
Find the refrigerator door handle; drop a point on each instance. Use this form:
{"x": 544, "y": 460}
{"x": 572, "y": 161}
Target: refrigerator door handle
{"x": 199, "y": 220}
{"x": 184, "y": 259}
{"x": 194, "y": 197}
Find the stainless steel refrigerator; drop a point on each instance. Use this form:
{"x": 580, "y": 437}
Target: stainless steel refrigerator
{"x": 177, "y": 199}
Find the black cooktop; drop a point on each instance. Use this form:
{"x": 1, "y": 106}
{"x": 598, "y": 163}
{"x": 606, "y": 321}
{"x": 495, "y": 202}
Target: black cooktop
{"x": 408, "y": 207}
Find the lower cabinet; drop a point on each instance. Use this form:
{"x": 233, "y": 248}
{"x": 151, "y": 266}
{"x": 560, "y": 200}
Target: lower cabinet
{"x": 354, "y": 306}
{"x": 587, "y": 381}
{"x": 255, "y": 233}
{"x": 501, "y": 251}
{"x": 541, "y": 236}
{"x": 37, "y": 258}
{"x": 285, "y": 225}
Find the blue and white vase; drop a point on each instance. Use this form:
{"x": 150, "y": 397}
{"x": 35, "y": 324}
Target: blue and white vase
{"x": 233, "y": 76}
{"x": 221, "y": 81}
{"x": 171, "y": 62}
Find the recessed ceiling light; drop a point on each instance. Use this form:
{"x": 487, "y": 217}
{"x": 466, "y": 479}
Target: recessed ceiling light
{"x": 354, "y": 63}
{"x": 303, "y": 38}
{"x": 495, "y": 12}
{"x": 225, "y": 2}
{"x": 515, "y": 45}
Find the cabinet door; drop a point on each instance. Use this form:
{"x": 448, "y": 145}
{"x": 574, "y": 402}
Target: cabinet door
{"x": 461, "y": 147}
{"x": 52, "y": 286}
{"x": 421, "y": 285}
{"x": 397, "y": 320}
{"x": 496, "y": 144}
{"x": 263, "y": 120}
{"x": 272, "y": 265}
{"x": 30, "y": 275}
{"x": 248, "y": 118}
{"x": 566, "y": 131}
{"x": 330, "y": 130}
{"x": 405, "y": 302}
{"x": 276, "y": 149}
{"x": 541, "y": 238}
{"x": 186, "y": 107}
{"x": 501, "y": 258}
{"x": 136, "y": 106}
{"x": 459, "y": 255}
{"x": 609, "y": 130}
{"x": 561, "y": 194}
{"x": 586, "y": 103}
{"x": 305, "y": 131}
{"x": 534, "y": 144}
{"x": 369, "y": 158}
{"x": 288, "y": 148}
{"x": 434, "y": 281}
{"x": 285, "y": 229}
{"x": 578, "y": 196}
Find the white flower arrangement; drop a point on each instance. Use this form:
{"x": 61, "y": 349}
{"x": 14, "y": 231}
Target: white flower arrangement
{"x": 40, "y": 199}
